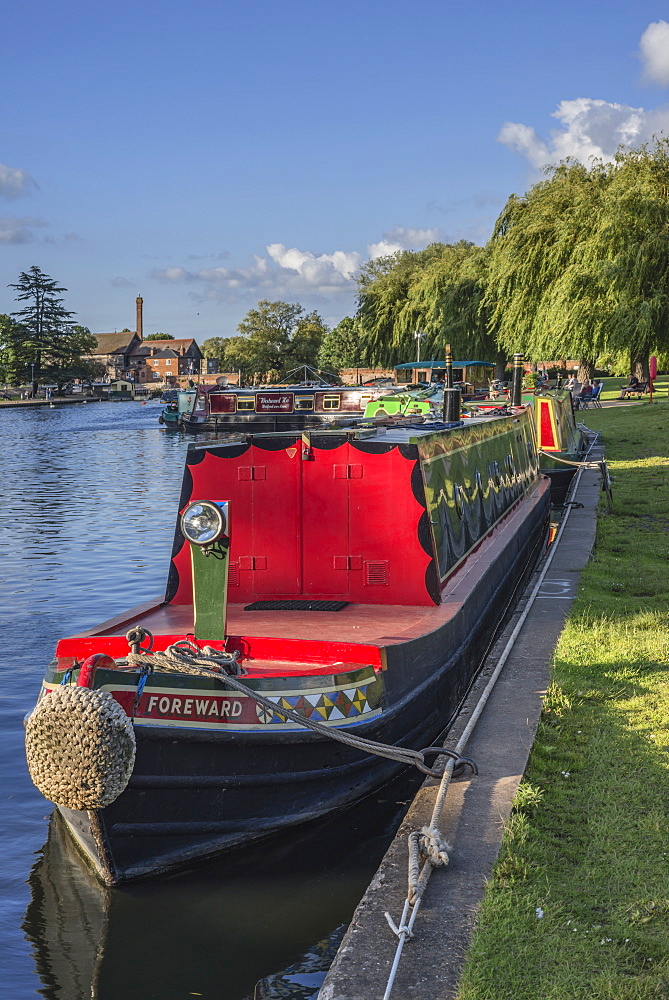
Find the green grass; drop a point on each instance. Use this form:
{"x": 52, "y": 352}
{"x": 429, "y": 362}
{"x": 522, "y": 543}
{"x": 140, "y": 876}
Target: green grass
{"x": 613, "y": 385}
{"x": 578, "y": 904}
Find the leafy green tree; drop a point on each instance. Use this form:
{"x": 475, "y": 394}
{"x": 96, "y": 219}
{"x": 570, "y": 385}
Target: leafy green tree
{"x": 159, "y": 336}
{"x": 275, "y": 337}
{"x": 48, "y": 346}
{"x": 387, "y": 316}
{"x": 438, "y": 292}
{"x": 341, "y": 348}
{"x": 634, "y": 236}
{"x": 579, "y": 266}
{"x": 65, "y": 364}
{"x": 12, "y": 354}
{"x": 544, "y": 291}
{"x": 214, "y": 347}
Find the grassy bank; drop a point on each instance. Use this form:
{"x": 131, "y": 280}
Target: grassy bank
{"x": 578, "y": 905}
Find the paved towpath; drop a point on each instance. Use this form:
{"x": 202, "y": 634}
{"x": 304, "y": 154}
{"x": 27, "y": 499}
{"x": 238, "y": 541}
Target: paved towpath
{"x": 476, "y": 810}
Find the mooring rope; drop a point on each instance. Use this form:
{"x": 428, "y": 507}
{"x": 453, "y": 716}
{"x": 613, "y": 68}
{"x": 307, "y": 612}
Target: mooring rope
{"x": 567, "y": 461}
{"x": 429, "y": 843}
{"x": 187, "y": 657}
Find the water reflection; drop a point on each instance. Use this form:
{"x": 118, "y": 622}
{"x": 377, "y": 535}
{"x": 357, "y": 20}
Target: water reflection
{"x": 214, "y": 931}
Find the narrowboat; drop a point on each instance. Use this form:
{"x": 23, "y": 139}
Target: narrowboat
{"x": 323, "y": 587}
{"x": 259, "y": 410}
{"x": 560, "y": 438}
{"x": 172, "y": 415}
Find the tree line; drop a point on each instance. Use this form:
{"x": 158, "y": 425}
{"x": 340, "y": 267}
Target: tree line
{"x": 577, "y": 267}
{"x": 40, "y": 342}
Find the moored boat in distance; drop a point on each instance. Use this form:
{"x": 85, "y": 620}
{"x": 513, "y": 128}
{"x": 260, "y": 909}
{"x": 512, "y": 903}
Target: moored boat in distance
{"x": 560, "y": 438}
{"x": 259, "y": 410}
{"x": 340, "y": 583}
{"x": 172, "y": 415}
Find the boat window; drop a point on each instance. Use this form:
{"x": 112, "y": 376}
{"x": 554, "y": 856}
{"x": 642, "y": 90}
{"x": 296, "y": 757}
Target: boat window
{"x": 511, "y": 466}
{"x": 304, "y": 403}
{"x": 495, "y": 477}
{"x": 404, "y": 375}
{"x": 222, "y": 402}
{"x": 331, "y": 402}
{"x": 245, "y": 404}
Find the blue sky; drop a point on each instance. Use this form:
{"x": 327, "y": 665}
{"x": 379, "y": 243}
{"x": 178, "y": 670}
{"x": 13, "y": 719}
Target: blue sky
{"x": 209, "y": 154}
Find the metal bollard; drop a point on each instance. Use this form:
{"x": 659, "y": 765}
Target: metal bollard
{"x": 451, "y": 410}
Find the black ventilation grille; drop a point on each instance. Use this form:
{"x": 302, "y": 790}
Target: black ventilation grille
{"x": 296, "y": 606}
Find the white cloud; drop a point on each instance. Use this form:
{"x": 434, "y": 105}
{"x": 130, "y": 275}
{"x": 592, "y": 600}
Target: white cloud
{"x": 654, "y": 51}
{"x": 20, "y": 230}
{"x": 384, "y": 248}
{"x": 590, "y": 128}
{"x": 412, "y": 239}
{"x": 14, "y": 182}
{"x": 403, "y": 238}
{"x": 283, "y": 271}
{"x": 318, "y": 271}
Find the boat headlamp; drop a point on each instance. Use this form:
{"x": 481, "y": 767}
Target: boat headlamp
{"x": 204, "y": 522}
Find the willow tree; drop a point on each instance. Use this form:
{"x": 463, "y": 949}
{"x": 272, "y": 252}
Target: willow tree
{"x": 385, "y": 316}
{"x": 450, "y": 296}
{"x": 635, "y": 233}
{"x": 437, "y": 292}
{"x": 545, "y": 291}
{"x": 579, "y": 267}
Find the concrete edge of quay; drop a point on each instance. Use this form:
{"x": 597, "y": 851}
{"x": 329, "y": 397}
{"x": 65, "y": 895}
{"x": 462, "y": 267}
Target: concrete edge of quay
{"x": 477, "y": 809}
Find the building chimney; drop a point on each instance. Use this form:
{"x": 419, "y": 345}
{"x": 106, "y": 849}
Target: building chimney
{"x": 140, "y": 322}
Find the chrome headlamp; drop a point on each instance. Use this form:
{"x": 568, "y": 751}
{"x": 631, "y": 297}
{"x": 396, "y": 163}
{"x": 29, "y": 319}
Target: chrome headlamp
{"x": 204, "y": 522}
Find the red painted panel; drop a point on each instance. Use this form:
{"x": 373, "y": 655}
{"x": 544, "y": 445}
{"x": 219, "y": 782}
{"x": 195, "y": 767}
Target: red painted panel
{"x": 332, "y": 657}
{"x": 546, "y": 425}
{"x": 275, "y": 512}
{"x": 222, "y": 402}
{"x": 325, "y": 486}
{"x": 304, "y": 531}
{"x": 384, "y": 518}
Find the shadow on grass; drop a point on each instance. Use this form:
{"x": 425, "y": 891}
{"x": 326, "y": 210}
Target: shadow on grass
{"x": 579, "y": 901}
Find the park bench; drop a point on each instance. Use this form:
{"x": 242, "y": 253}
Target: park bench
{"x": 637, "y": 391}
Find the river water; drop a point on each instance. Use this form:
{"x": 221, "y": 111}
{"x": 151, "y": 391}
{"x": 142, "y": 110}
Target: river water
{"x": 90, "y": 495}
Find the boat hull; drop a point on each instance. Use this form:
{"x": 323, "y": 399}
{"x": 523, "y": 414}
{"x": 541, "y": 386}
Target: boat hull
{"x": 197, "y": 792}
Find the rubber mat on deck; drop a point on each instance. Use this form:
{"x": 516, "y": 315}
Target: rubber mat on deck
{"x": 296, "y": 606}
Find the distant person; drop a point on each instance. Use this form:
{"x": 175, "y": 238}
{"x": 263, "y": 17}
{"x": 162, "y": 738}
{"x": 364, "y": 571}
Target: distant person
{"x": 585, "y": 394}
{"x": 634, "y": 385}
{"x": 571, "y": 383}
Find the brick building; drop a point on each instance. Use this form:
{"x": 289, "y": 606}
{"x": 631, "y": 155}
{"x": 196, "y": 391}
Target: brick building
{"x": 128, "y": 355}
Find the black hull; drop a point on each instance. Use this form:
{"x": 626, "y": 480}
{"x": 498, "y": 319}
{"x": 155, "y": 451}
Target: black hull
{"x": 194, "y": 794}
{"x": 560, "y": 480}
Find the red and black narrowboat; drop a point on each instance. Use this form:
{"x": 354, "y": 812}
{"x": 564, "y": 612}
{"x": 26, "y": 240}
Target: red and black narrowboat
{"x": 355, "y": 577}
{"x": 222, "y": 409}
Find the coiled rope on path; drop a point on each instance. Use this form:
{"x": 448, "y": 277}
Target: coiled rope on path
{"x": 429, "y": 844}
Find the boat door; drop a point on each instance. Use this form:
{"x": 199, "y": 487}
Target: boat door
{"x": 295, "y": 541}
{"x": 325, "y": 550}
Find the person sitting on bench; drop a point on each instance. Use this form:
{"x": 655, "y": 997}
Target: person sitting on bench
{"x": 634, "y": 385}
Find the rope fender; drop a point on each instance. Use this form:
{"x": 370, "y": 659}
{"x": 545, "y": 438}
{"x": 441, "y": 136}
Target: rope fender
{"x": 80, "y": 747}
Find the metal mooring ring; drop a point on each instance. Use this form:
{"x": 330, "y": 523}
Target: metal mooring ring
{"x": 460, "y": 762}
